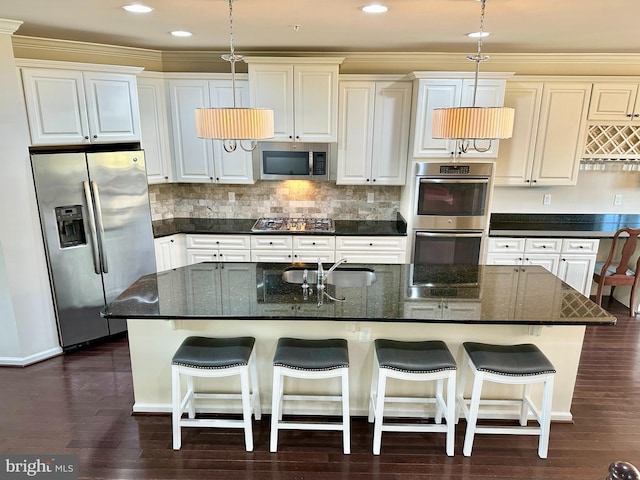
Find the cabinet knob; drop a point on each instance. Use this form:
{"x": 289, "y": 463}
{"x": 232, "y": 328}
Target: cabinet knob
{"x": 290, "y": 136}
{"x": 95, "y": 136}
{"x": 636, "y": 114}
{"x": 527, "y": 181}
{"x": 297, "y": 137}
{"x": 172, "y": 240}
{"x": 374, "y": 179}
{"x": 534, "y": 181}
{"x": 506, "y": 246}
{"x": 313, "y": 243}
{"x": 564, "y": 259}
{"x": 544, "y": 246}
{"x": 270, "y": 243}
{"x": 166, "y": 177}
{"x": 371, "y": 244}
{"x": 86, "y": 137}
{"x": 628, "y": 115}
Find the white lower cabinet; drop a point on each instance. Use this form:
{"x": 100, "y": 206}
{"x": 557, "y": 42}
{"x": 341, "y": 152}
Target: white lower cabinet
{"x": 383, "y": 249}
{"x": 313, "y": 248}
{"x": 444, "y": 310}
{"x": 571, "y": 259}
{"x": 218, "y": 248}
{"x": 272, "y": 248}
{"x": 170, "y": 252}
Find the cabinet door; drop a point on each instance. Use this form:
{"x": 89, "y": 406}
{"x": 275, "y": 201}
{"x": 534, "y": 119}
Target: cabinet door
{"x": 312, "y": 256}
{"x": 271, "y": 86}
{"x": 231, "y": 167}
{"x": 315, "y": 102}
{"x": 614, "y": 102}
{"x": 490, "y": 93}
{"x": 193, "y": 156}
{"x": 112, "y": 107}
{"x": 433, "y": 94}
{"x": 391, "y": 133}
{"x": 355, "y": 140}
{"x": 561, "y": 131}
{"x": 548, "y": 261}
{"x": 154, "y": 129}
{"x": 504, "y": 258}
{"x": 515, "y": 159}
{"x": 163, "y": 249}
{"x": 55, "y": 103}
{"x": 238, "y": 289}
{"x": 577, "y": 271}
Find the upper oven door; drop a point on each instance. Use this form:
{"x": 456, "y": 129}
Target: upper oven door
{"x": 451, "y": 203}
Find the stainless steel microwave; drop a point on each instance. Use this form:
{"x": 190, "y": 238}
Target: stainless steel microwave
{"x": 294, "y": 161}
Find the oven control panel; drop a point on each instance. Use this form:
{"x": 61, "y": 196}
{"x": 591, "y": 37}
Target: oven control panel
{"x": 454, "y": 169}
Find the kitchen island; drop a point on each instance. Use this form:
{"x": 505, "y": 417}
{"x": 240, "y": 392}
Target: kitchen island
{"x": 499, "y": 304}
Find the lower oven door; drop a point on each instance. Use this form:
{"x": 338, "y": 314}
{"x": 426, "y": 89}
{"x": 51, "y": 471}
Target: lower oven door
{"x": 443, "y": 257}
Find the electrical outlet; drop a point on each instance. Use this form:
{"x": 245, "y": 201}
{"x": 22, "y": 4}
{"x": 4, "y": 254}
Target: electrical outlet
{"x": 369, "y": 197}
{"x": 232, "y": 196}
{"x": 546, "y": 199}
{"x": 617, "y": 200}
{"x": 365, "y": 334}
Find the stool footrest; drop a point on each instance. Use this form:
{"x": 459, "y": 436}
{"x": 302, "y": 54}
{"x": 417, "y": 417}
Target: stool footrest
{"x": 212, "y": 422}
{"x": 310, "y": 426}
{"x": 509, "y": 430}
{"x": 314, "y": 398}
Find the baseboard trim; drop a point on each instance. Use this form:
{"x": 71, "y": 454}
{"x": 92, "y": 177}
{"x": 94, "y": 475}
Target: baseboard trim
{"x": 31, "y": 359}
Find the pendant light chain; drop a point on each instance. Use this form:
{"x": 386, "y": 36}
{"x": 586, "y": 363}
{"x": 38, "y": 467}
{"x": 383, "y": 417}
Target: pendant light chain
{"x": 232, "y": 58}
{"x": 478, "y": 57}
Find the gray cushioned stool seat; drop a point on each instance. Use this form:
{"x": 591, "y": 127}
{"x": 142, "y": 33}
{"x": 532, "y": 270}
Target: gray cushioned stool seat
{"x": 203, "y": 352}
{"x": 324, "y": 354}
{"x": 523, "y": 359}
{"x": 416, "y": 357}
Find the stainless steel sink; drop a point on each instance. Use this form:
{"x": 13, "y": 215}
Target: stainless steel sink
{"x": 340, "y": 277}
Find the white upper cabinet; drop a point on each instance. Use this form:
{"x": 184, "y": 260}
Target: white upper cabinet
{"x": 615, "y": 102}
{"x": 548, "y": 136}
{"x": 373, "y": 132}
{"x": 443, "y": 92}
{"x": 154, "y": 128}
{"x": 302, "y": 94}
{"x": 198, "y": 159}
{"x": 69, "y": 107}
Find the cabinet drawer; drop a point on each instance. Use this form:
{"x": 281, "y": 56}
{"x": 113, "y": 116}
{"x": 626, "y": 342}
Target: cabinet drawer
{"x": 580, "y": 245}
{"x": 274, "y": 256}
{"x": 235, "y": 255}
{"x": 272, "y": 241}
{"x": 372, "y": 257}
{"x": 301, "y": 242}
{"x": 368, "y": 244}
{"x": 543, "y": 245}
{"x": 506, "y": 245}
{"x": 240, "y": 242}
{"x": 312, "y": 256}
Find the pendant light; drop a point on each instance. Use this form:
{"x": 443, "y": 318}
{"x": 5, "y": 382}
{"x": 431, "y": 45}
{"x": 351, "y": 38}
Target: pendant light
{"x": 234, "y": 124}
{"x": 465, "y": 124}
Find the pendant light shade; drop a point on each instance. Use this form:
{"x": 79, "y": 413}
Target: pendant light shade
{"x": 473, "y": 123}
{"x": 234, "y": 123}
{"x": 464, "y": 123}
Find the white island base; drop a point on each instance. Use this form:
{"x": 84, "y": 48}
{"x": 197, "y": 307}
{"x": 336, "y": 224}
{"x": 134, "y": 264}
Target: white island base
{"x": 153, "y": 343}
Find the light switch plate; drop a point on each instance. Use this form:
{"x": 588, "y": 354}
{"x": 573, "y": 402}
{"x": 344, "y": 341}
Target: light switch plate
{"x": 617, "y": 200}
{"x": 232, "y": 196}
{"x": 546, "y": 199}
{"x": 369, "y": 197}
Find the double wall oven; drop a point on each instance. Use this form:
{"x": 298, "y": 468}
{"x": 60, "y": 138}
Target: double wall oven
{"x": 451, "y": 213}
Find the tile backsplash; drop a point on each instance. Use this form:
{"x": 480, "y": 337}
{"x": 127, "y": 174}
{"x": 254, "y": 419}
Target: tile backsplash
{"x": 274, "y": 199}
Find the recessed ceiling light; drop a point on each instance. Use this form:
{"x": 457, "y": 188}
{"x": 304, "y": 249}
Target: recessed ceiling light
{"x": 374, "y": 8}
{"x": 181, "y": 33}
{"x": 478, "y": 34}
{"x": 137, "y": 8}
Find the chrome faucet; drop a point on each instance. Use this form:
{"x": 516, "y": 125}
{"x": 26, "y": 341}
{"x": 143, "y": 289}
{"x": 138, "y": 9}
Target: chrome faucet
{"x": 326, "y": 273}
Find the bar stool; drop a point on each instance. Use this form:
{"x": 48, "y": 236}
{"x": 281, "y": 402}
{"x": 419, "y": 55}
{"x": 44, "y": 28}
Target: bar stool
{"x": 213, "y": 358}
{"x": 419, "y": 362}
{"x": 522, "y": 365}
{"x": 310, "y": 359}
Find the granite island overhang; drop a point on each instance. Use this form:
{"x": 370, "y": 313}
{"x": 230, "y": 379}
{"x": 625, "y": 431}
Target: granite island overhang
{"x": 494, "y": 304}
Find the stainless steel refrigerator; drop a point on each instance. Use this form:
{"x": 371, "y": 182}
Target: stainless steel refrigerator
{"x": 96, "y": 220}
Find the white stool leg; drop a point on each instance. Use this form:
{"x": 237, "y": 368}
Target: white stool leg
{"x": 472, "y": 420}
{"x": 191, "y": 408}
{"x": 276, "y": 402}
{"x": 524, "y": 407}
{"x": 462, "y": 384}
{"x": 375, "y": 372}
{"x": 255, "y": 390}
{"x": 175, "y": 410}
{"x": 246, "y": 409}
{"x": 439, "y": 400}
{"x": 545, "y": 420}
{"x": 379, "y": 411}
{"x": 346, "y": 417}
{"x": 450, "y": 413}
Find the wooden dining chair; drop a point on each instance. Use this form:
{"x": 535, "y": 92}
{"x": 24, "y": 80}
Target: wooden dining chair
{"x": 614, "y": 273}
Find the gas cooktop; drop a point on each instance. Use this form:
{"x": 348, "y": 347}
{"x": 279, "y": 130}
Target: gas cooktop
{"x": 324, "y": 225}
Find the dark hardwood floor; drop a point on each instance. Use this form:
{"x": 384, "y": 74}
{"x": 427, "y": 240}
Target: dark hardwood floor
{"x": 80, "y": 403}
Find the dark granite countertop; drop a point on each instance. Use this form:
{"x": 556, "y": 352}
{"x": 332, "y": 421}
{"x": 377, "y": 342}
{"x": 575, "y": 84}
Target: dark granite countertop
{"x": 400, "y": 293}
{"x": 560, "y": 225}
{"x": 163, "y": 228}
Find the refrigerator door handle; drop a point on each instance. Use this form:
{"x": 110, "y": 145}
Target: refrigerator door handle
{"x": 103, "y": 251}
{"x": 92, "y": 226}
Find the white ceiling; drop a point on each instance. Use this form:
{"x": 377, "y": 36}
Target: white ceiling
{"x": 533, "y": 26}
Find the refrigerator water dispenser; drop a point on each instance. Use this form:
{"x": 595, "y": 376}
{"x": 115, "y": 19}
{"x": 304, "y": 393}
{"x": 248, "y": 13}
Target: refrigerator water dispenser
{"x": 70, "y": 226}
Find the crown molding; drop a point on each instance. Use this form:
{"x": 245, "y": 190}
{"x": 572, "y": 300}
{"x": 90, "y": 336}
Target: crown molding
{"x": 8, "y": 27}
